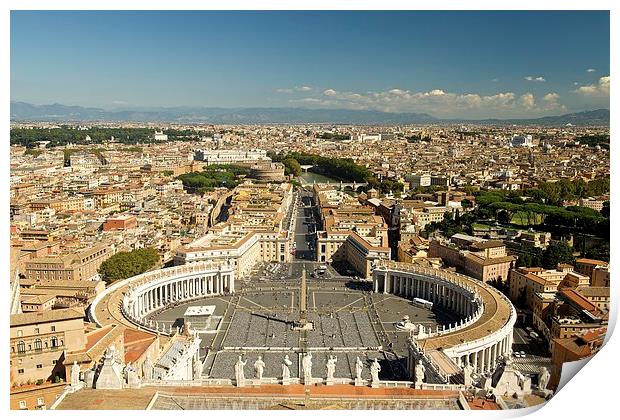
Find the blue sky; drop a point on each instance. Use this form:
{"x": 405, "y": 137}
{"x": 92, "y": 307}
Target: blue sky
{"x": 448, "y": 64}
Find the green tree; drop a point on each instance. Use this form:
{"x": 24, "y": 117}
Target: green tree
{"x": 123, "y": 265}
{"x": 291, "y": 167}
{"x": 557, "y": 252}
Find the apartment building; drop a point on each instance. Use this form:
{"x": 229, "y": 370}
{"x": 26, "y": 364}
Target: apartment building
{"x": 220, "y": 156}
{"x": 586, "y": 266}
{"x": 254, "y": 231}
{"x": 350, "y": 232}
{"x": 484, "y": 260}
{"x": 39, "y": 340}
{"x": 80, "y": 265}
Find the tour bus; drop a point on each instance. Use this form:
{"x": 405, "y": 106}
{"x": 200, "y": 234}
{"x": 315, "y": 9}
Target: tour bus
{"x": 423, "y": 303}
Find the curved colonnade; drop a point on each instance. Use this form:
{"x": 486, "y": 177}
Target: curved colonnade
{"x": 480, "y": 339}
{"x": 148, "y": 292}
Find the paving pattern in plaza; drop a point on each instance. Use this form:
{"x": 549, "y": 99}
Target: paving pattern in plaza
{"x": 348, "y": 323}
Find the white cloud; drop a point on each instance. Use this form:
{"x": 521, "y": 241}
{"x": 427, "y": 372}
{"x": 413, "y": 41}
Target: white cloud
{"x": 295, "y": 89}
{"x": 438, "y": 102}
{"x": 550, "y": 102}
{"x": 528, "y": 101}
{"x": 436, "y": 92}
{"x": 535, "y": 79}
{"x": 599, "y": 89}
{"x": 591, "y": 70}
{"x": 495, "y": 80}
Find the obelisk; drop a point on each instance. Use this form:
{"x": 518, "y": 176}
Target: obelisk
{"x": 303, "y": 299}
{"x": 303, "y": 323}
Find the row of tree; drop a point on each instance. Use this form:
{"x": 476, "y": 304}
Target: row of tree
{"x": 531, "y": 211}
{"x": 333, "y": 136}
{"x": 29, "y": 137}
{"x": 213, "y": 176}
{"x": 337, "y": 168}
{"x": 557, "y": 252}
{"x": 128, "y": 264}
{"x": 595, "y": 140}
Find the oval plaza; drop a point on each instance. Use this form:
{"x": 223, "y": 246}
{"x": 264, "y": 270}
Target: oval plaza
{"x": 475, "y": 329}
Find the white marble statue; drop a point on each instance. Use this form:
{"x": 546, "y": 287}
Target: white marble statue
{"x": 147, "y": 369}
{"x": 239, "y": 374}
{"x": 375, "y": 368}
{"x": 75, "y": 374}
{"x": 306, "y": 364}
{"x": 131, "y": 376}
{"x": 511, "y": 382}
{"x": 420, "y": 370}
{"x": 286, "y": 371}
{"x": 467, "y": 371}
{"x": 259, "y": 367}
{"x": 331, "y": 367}
{"x": 89, "y": 377}
{"x": 359, "y": 366}
{"x": 543, "y": 378}
{"x": 197, "y": 368}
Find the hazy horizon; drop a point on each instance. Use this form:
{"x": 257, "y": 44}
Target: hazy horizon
{"x": 468, "y": 65}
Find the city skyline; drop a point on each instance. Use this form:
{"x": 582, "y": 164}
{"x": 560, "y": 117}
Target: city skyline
{"x": 535, "y": 64}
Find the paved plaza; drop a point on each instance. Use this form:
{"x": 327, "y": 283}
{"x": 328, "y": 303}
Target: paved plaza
{"x": 349, "y": 322}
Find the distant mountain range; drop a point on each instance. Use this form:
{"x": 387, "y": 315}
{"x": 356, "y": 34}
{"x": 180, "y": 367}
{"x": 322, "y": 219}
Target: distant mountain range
{"x": 22, "y": 111}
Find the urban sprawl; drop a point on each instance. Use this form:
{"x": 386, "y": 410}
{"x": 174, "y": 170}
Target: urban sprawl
{"x": 427, "y": 266}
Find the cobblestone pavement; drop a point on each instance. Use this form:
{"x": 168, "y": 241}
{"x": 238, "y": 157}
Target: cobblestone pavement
{"x": 348, "y": 323}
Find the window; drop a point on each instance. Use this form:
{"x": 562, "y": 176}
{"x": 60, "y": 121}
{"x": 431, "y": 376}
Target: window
{"x": 21, "y": 347}
{"x": 22, "y": 405}
{"x": 53, "y": 328}
{"x": 39, "y": 366}
{"x": 38, "y": 344}
{"x": 40, "y": 401}
{"x": 20, "y": 370}
{"x": 54, "y": 341}
{"x": 20, "y": 333}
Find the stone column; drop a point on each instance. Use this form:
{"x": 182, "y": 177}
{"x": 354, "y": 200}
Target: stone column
{"x": 487, "y": 359}
{"x": 476, "y": 361}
